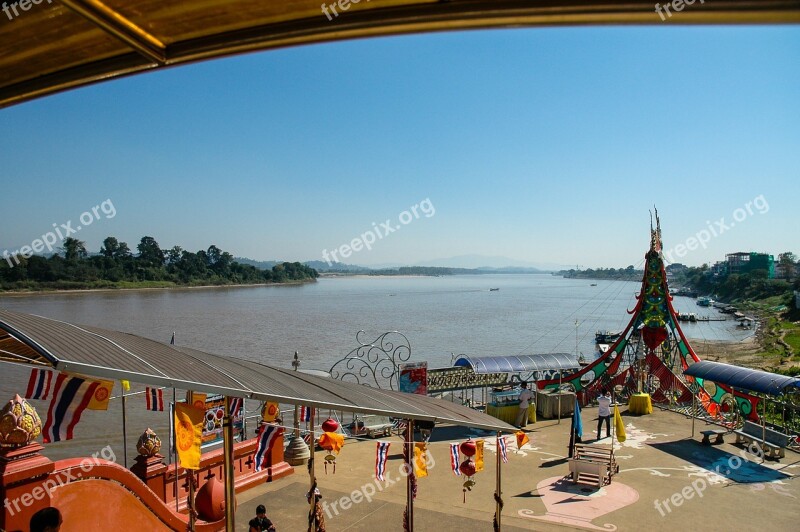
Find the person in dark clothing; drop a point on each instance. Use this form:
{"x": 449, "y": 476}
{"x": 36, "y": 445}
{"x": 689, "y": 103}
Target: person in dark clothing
{"x": 46, "y": 520}
{"x": 261, "y": 521}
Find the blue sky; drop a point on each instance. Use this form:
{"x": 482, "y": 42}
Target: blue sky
{"x": 541, "y": 145}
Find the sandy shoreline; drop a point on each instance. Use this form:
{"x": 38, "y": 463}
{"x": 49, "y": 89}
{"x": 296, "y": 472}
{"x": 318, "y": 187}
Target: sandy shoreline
{"x": 106, "y": 290}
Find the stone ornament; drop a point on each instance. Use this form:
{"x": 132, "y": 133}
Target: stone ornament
{"x": 19, "y": 423}
{"x": 149, "y": 443}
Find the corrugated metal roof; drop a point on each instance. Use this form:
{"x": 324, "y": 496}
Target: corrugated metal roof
{"x": 108, "y": 354}
{"x": 742, "y": 378}
{"x": 519, "y": 363}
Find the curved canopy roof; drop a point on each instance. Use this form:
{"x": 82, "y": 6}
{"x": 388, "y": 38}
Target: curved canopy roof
{"x": 101, "y": 353}
{"x": 742, "y": 378}
{"x": 518, "y": 364}
{"x": 52, "y": 46}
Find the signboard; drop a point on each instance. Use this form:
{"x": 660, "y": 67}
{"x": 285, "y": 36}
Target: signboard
{"x": 414, "y": 378}
{"x": 212, "y": 423}
{"x": 448, "y": 379}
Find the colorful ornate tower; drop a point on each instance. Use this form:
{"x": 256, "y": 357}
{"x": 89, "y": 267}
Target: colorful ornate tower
{"x": 652, "y": 352}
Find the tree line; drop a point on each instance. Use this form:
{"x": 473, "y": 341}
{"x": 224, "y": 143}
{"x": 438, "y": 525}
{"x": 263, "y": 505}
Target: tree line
{"x": 116, "y": 266}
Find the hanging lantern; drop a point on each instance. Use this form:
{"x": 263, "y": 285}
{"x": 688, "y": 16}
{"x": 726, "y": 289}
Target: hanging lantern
{"x": 468, "y": 448}
{"x": 330, "y": 425}
{"x": 467, "y": 469}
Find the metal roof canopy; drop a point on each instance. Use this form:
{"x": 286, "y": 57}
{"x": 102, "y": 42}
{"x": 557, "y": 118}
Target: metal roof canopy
{"x": 519, "y": 363}
{"x": 54, "y": 46}
{"x": 100, "y": 353}
{"x": 742, "y": 378}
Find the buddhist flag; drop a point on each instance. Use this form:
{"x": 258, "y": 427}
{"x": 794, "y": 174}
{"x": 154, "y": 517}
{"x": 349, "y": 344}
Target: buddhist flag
{"x": 522, "y": 438}
{"x": 619, "y": 426}
{"x": 270, "y": 411}
{"x": 197, "y": 400}
{"x": 39, "y": 384}
{"x": 479, "y": 455}
{"x": 188, "y": 434}
{"x": 381, "y": 455}
{"x": 101, "y": 396}
{"x": 420, "y": 460}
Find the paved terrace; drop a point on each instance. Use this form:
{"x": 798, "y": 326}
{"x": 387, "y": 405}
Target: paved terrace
{"x": 712, "y": 488}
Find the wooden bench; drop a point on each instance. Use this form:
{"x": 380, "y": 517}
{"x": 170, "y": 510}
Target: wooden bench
{"x": 773, "y": 443}
{"x": 719, "y": 433}
{"x": 592, "y": 464}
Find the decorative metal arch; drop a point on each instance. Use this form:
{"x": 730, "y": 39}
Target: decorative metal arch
{"x": 376, "y": 363}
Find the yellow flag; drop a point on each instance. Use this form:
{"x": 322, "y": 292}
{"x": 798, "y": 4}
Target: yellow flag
{"x": 522, "y": 438}
{"x": 270, "y": 411}
{"x": 126, "y": 385}
{"x": 619, "y": 426}
{"x": 331, "y": 441}
{"x": 479, "y": 456}
{"x": 420, "y": 460}
{"x": 188, "y": 434}
{"x": 197, "y": 400}
{"x": 102, "y": 393}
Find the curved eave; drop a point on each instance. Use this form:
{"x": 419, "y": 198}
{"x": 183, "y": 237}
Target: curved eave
{"x": 72, "y": 43}
{"x": 113, "y": 355}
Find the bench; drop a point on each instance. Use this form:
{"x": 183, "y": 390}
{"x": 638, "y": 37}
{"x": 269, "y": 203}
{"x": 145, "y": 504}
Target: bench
{"x": 719, "y": 433}
{"x": 592, "y": 464}
{"x": 773, "y": 443}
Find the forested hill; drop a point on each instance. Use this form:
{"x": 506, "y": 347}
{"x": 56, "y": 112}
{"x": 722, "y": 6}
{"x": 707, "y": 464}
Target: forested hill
{"x": 116, "y": 266}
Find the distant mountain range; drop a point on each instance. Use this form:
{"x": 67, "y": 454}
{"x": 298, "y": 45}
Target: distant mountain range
{"x": 464, "y": 264}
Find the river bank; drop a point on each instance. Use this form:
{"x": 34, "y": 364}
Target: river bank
{"x": 28, "y": 293}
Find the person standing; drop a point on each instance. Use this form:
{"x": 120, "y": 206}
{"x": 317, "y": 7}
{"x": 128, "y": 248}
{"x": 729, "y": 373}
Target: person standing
{"x": 261, "y": 522}
{"x": 525, "y": 397}
{"x": 604, "y": 413}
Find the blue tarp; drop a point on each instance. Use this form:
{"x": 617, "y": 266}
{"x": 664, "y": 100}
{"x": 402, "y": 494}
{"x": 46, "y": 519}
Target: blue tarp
{"x": 742, "y": 378}
{"x": 519, "y": 363}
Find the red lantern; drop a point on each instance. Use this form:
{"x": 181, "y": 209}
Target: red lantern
{"x": 330, "y": 425}
{"x": 467, "y": 468}
{"x": 654, "y": 336}
{"x": 468, "y": 448}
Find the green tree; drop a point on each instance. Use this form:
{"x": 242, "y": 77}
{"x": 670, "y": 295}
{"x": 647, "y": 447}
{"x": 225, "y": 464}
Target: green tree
{"x": 150, "y": 254}
{"x": 73, "y": 249}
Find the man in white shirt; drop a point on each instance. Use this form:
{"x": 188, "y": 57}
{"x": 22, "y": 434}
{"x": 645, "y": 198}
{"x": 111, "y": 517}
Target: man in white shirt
{"x": 604, "y": 413}
{"x": 524, "y": 399}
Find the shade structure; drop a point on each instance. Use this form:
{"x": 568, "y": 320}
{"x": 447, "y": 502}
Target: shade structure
{"x": 101, "y": 353}
{"x": 743, "y": 378}
{"x": 53, "y": 46}
{"x": 518, "y": 363}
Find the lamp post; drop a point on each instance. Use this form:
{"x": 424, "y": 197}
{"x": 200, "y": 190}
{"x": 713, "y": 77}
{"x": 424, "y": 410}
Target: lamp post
{"x": 297, "y": 452}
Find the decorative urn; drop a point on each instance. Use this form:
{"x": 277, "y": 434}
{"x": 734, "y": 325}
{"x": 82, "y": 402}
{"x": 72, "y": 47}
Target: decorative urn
{"x": 149, "y": 443}
{"x": 19, "y": 423}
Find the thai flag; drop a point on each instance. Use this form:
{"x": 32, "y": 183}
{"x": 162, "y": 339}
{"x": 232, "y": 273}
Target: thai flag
{"x": 305, "y": 413}
{"x": 265, "y": 439}
{"x": 71, "y": 395}
{"x": 454, "y": 459}
{"x": 400, "y": 425}
{"x": 39, "y": 384}
{"x": 236, "y": 406}
{"x": 382, "y": 453}
{"x": 501, "y": 444}
{"x": 155, "y": 399}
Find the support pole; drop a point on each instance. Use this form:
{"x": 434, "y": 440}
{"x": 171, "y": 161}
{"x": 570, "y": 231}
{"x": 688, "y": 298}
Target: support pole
{"x": 763, "y": 429}
{"x": 559, "y": 396}
{"x": 124, "y": 431}
{"x": 694, "y": 411}
{"x": 227, "y": 443}
{"x": 312, "y": 521}
{"x": 499, "y": 489}
{"x": 409, "y": 455}
{"x": 190, "y": 500}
